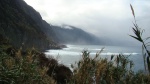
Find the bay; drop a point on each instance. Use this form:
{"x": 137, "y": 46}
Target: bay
{"x": 73, "y": 53}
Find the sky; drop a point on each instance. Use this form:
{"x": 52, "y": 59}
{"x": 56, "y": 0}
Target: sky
{"x": 110, "y": 19}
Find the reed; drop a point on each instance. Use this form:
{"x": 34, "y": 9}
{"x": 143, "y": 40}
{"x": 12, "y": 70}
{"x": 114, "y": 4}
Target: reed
{"x": 138, "y": 36}
{"x": 34, "y": 67}
{"x": 22, "y": 69}
{"x": 117, "y": 70}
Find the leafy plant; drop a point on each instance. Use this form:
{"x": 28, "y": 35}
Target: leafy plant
{"x": 138, "y": 36}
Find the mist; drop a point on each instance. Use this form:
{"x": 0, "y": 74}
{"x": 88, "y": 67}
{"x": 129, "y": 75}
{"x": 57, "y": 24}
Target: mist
{"x": 110, "y": 20}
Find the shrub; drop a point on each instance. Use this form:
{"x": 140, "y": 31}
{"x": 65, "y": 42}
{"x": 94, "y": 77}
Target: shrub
{"x": 59, "y": 72}
{"x": 22, "y": 69}
{"x": 96, "y": 70}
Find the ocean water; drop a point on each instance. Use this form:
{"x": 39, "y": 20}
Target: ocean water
{"x": 73, "y": 53}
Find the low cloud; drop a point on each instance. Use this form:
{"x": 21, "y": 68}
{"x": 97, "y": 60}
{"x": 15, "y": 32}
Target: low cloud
{"x": 110, "y": 19}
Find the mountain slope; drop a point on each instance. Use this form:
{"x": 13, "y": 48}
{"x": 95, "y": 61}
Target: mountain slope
{"x": 20, "y": 23}
{"x": 73, "y": 35}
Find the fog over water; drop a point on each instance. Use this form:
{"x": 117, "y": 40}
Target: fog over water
{"x": 107, "y": 19}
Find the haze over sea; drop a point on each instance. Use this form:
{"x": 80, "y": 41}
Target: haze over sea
{"x": 73, "y": 53}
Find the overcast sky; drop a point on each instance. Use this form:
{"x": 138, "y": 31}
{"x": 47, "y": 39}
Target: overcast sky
{"x": 104, "y": 18}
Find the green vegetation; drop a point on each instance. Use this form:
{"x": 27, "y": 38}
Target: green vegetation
{"x": 32, "y": 67}
{"x": 18, "y": 66}
{"x": 21, "y": 69}
{"x": 28, "y": 67}
{"x": 117, "y": 70}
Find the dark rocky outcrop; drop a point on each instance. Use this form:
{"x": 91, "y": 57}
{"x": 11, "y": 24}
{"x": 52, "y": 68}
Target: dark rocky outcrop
{"x": 59, "y": 72}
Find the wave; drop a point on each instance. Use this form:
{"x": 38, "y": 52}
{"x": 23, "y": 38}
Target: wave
{"x": 109, "y": 53}
{"x": 97, "y": 49}
{"x": 61, "y": 53}
{"x": 54, "y": 52}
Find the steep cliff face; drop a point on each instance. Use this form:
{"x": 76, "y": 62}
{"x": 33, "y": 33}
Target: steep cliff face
{"x": 45, "y": 27}
{"x": 20, "y": 23}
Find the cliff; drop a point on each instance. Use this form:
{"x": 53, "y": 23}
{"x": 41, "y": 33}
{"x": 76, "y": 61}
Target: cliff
{"x": 21, "y": 24}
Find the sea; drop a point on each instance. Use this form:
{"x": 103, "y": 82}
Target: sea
{"x": 73, "y": 53}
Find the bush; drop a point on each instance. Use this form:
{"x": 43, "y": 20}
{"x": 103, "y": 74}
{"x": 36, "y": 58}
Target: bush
{"x": 22, "y": 69}
{"x": 96, "y": 70}
{"x": 34, "y": 67}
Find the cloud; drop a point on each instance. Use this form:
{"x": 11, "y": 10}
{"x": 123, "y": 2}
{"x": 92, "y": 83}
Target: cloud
{"x": 105, "y": 18}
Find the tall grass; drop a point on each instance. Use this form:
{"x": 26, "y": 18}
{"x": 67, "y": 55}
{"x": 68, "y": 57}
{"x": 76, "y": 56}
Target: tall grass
{"x": 117, "y": 70}
{"x": 138, "y": 36}
{"x": 33, "y": 67}
{"x": 29, "y": 67}
{"x": 22, "y": 69}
